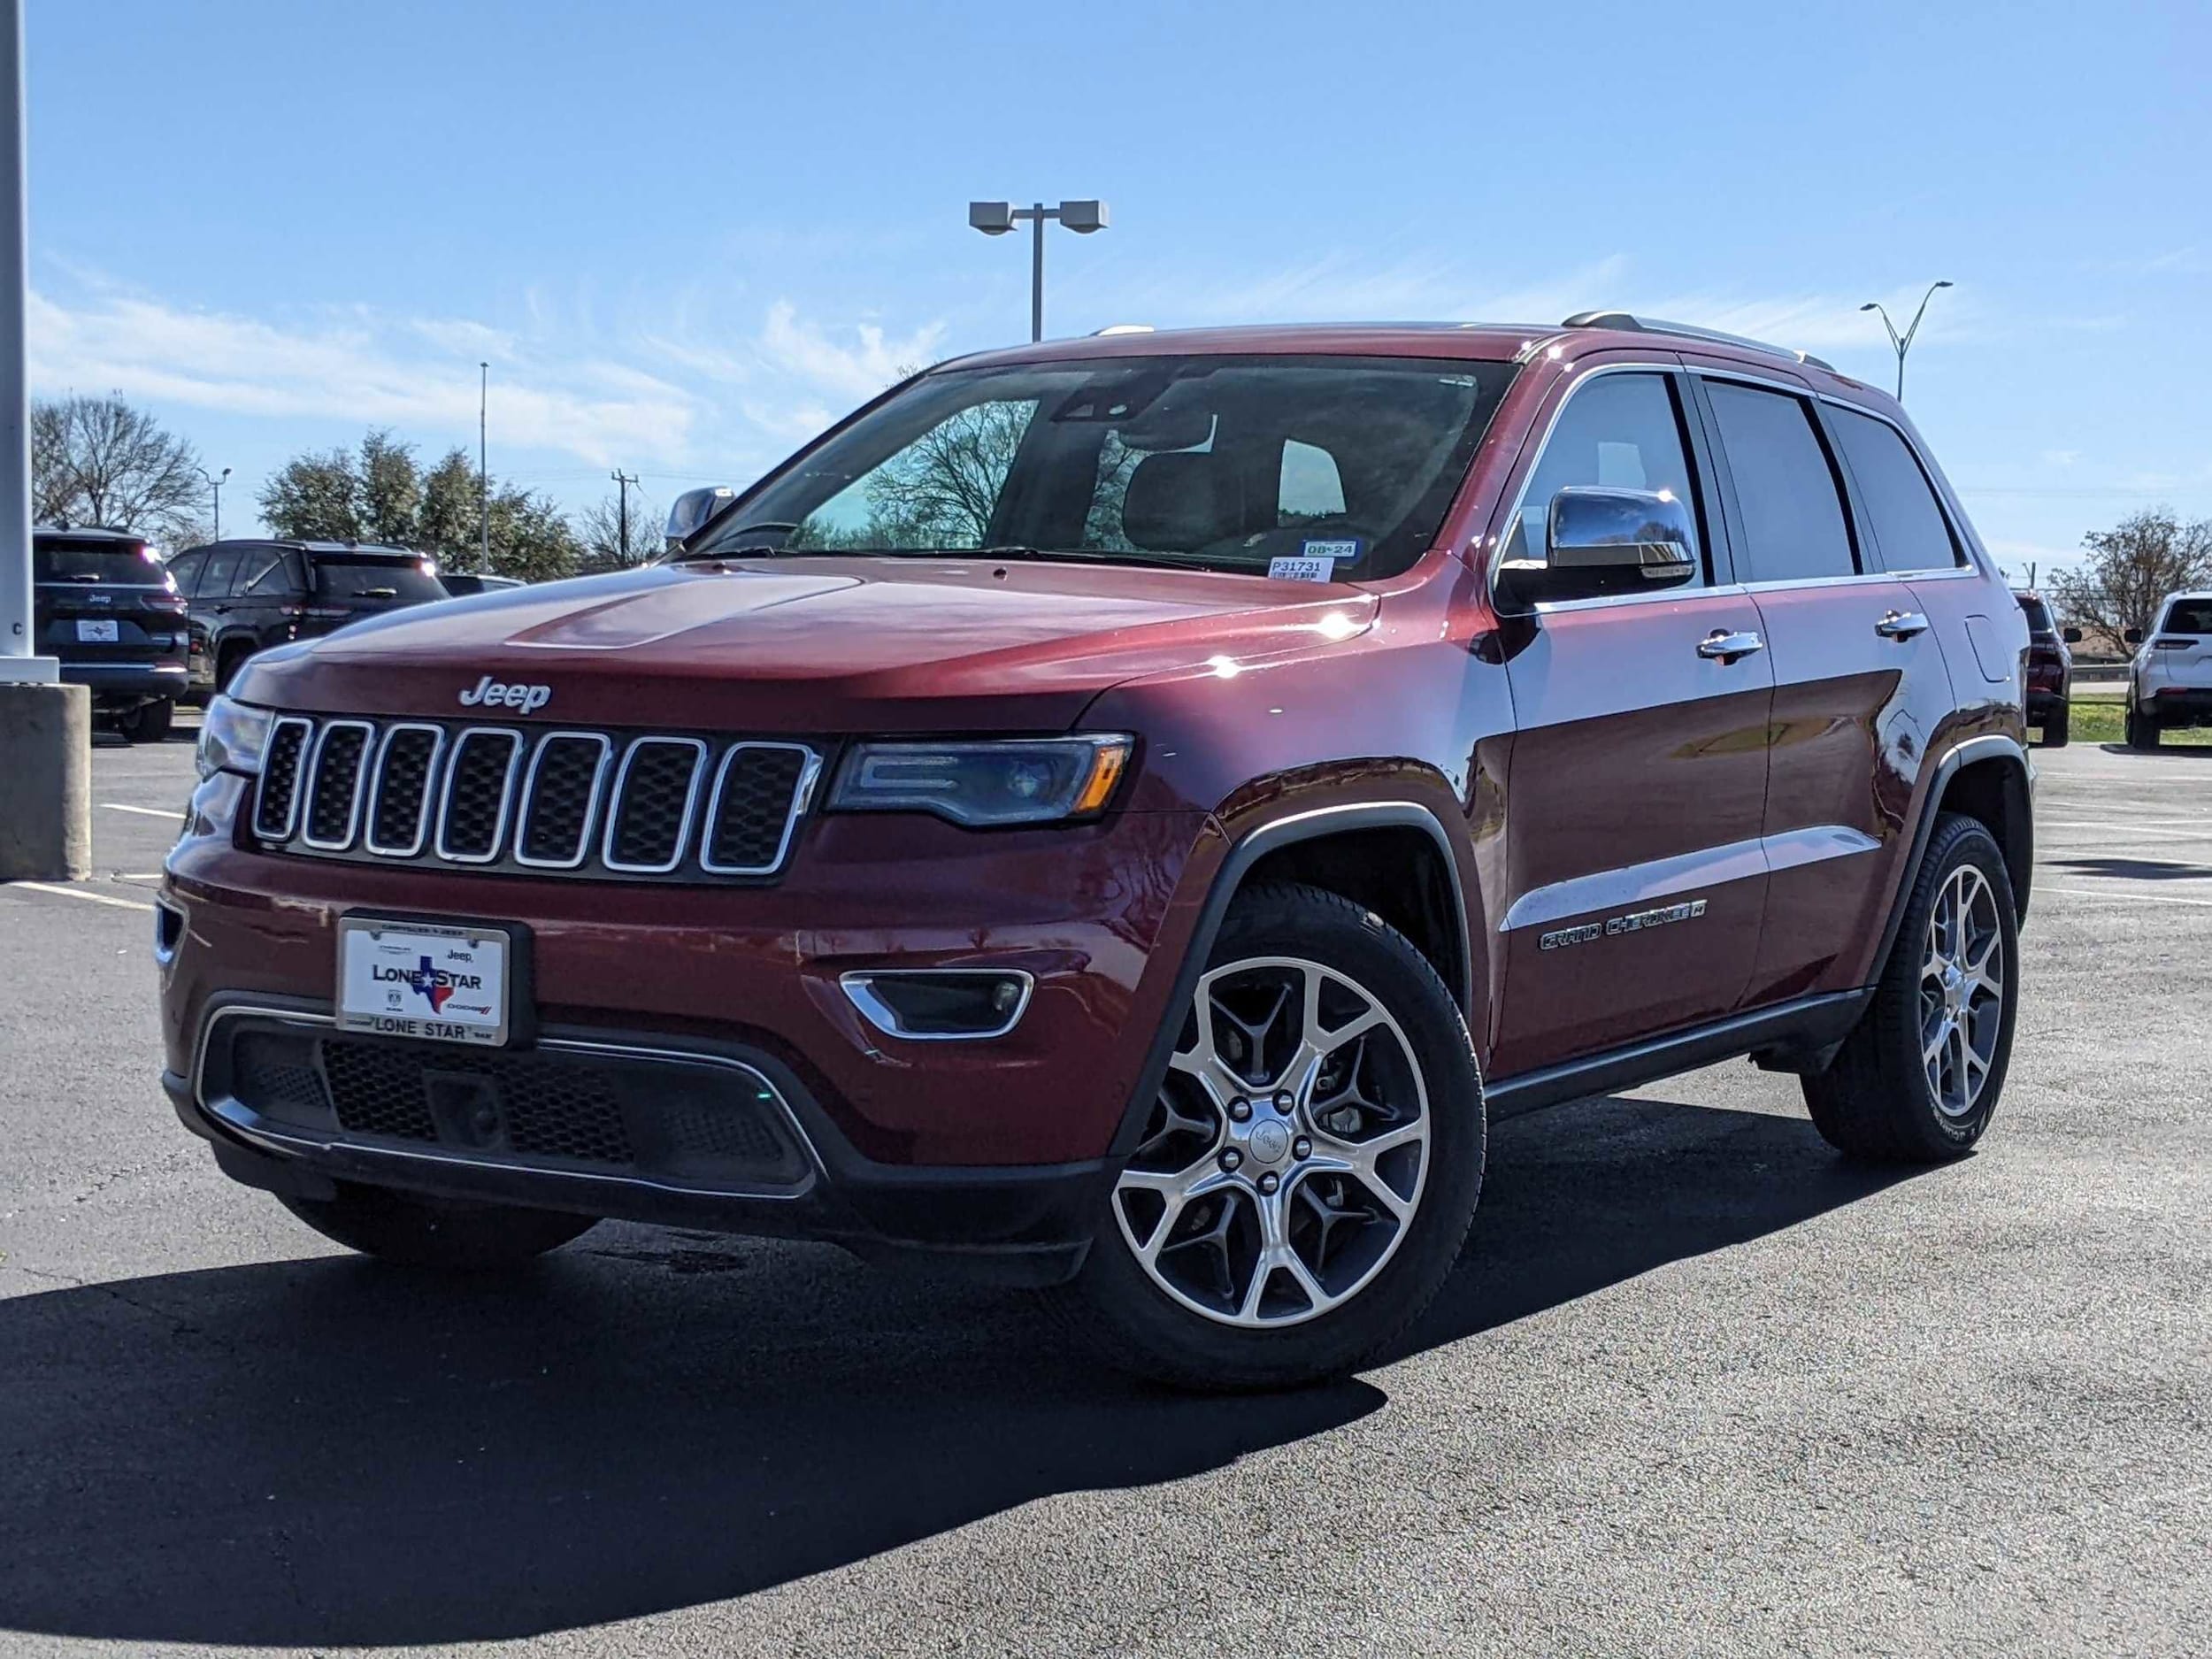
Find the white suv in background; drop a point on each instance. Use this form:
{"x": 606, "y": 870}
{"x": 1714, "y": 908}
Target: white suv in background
{"x": 2169, "y": 681}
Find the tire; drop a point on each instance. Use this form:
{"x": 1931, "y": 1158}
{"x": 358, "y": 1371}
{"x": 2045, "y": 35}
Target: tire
{"x": 434, "y": 1232}
{"x": 1188, "y": 1281}
{"x": 2057, "y": 728}
{"x": 148, "y": 723}
{"x": 2142, "y": 731}
{"x": 1879, "y": 1099}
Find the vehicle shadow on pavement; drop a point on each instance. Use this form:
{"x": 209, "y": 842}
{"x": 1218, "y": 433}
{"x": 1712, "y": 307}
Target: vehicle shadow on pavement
{"x": 323, "y": 1452}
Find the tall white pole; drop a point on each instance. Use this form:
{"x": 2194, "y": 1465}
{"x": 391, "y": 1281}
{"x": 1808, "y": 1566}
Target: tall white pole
{"x": 20, "y": 662}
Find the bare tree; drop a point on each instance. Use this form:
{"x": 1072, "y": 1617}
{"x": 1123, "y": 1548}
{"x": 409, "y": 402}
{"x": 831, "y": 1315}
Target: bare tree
{"x": 99, "y": 461}
{"x": 606, "y": 547}
{"x": 2130, "y": 570}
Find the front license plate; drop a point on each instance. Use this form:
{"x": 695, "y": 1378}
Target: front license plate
{"x": 102, "y": 632}
{"x": 418, "y": 980}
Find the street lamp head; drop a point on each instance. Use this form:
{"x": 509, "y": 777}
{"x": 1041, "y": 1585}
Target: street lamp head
{"x": 1943, "y": 285}
{"x": 1870, "y": 306}
{"x": 1083, "y": 216}
{"x": 226, "y": 471}
{"x": 993, "y": 219}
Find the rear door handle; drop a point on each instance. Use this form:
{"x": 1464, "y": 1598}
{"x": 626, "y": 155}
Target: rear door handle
{"x": 1902, "y": 625}
{"x": 1720, "y": 646}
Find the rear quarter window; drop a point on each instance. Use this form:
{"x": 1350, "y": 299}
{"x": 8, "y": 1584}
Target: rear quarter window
{"x": 1908, "y": 522}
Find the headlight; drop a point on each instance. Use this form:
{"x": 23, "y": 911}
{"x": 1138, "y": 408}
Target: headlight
{"x": 232, "y": 738}
{"x": 1022, "y": 781}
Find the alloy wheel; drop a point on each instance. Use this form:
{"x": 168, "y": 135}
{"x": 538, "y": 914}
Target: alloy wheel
{"x": 1961, "y": 991}
{"x": 1286, "y": 1155}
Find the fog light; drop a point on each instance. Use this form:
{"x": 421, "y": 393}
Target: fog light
{"x": 940, "y": 1004}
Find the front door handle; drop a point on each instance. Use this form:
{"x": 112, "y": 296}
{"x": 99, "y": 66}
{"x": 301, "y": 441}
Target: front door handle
{"x": 1902, "y": 625}
{"x": 1722, "y": 646}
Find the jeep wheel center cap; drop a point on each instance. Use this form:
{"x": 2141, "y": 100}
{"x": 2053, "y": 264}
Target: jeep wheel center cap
{"x": 1271, "y": 1142}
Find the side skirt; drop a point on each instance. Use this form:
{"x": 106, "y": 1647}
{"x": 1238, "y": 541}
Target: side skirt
{"x": 1792, "y": 1036}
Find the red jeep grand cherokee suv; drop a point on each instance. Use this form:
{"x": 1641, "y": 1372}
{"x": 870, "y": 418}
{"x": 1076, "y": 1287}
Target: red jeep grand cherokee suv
{"x": 1117, "y": 815}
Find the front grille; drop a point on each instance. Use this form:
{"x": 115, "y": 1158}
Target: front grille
{"x": 660, "y": 1116}
{"x": 650, "y": 806}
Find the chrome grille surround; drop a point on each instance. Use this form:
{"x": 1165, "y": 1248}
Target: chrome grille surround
{"x": 592, "y": 805}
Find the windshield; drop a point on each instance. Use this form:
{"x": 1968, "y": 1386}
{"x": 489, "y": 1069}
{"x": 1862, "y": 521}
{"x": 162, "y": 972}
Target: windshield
{"x": 133, "y": 564}
{"x": 406, "y": 579}
{"x": 1216, "y": 463}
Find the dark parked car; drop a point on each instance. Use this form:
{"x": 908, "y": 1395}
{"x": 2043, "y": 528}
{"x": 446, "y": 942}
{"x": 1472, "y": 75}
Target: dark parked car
{"x": 247, "y": 595}
{"x": 103, "y": 604}
{"x": 2050, "y": 671}
{"x": 460, "y": 583}
{"x": 1137, "y": 860}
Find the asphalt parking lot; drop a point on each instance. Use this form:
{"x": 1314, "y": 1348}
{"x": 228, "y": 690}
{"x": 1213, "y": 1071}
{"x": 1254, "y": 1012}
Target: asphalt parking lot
{"x": 1697, "y": 1387}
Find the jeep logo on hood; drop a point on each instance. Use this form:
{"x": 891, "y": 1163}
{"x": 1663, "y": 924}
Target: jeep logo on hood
{"x": 491, "y": 694}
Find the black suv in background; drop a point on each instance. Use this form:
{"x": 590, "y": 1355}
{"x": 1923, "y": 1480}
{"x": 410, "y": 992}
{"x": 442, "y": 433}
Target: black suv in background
{"x": 103, "y": 603}
{"x": 2050, "y": 671}
{"x": 246, "y": 597}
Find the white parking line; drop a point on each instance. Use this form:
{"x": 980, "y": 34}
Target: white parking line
{"x": 79, "y": 892}
{"x": 2140, "y": 898}
{"x": 149, "y": 812}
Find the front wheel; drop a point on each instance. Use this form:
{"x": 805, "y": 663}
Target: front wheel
{"x": 1917, "y": 1079}
{"x": 436, "y": 1232}
{"x": 1309, "y": 1167}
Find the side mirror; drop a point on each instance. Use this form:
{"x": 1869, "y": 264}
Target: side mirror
{"x": 693, "y": 509}
{"x": 2133, "y": 636}
{"x": 2072, "y": 636}
{"x": 1603, "y": 541}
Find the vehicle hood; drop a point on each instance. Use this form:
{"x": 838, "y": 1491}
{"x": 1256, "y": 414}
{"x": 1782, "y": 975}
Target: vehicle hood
{"x": 809, "y": 645}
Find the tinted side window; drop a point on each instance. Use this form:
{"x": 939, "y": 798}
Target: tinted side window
{"x": 1618, "y": 431}
{"x": 268, "y": 572}
{"x": 1907, "y": 520}
{"x": 1793, "y": 524}
{"x": 222, "y": 568}
{"x": 186, "y": 569}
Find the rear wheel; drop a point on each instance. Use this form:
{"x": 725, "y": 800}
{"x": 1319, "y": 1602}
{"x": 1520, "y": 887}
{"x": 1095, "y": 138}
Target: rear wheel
{"x": 2142, "y": 731}
{"x": 1919, "y": 1079}
{"x": 148, "y": 723}
{"x": 2056, "y": 729}
{"x": 1311, "y": 1166}
{"x": 436, "y": 1232}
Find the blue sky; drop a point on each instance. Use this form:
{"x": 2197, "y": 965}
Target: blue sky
{"x": 685, "y": 235}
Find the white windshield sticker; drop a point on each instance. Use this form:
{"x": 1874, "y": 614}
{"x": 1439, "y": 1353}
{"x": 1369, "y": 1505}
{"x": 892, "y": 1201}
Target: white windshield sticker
{"x": 1346, "y": 549}
{"x": 1285, "y": 569}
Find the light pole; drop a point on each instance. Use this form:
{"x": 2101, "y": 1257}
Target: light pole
{"x": 483, "y": 476}
{"x": 216, "y": 485}
{"x": 996, "y": 219}
{"x": 1902, "y": 343}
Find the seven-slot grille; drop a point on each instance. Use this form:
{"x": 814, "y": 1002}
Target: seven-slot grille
{"x": 633, "y": 807}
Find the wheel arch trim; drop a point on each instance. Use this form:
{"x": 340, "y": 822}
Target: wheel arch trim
{"x": 1972, "y": 751}
{"x": 1313, "y": 824}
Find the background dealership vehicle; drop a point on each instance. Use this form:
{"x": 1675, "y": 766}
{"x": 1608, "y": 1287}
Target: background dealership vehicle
{"x": 462, "y": 583}
{"x": 103, "y": 603}
{"x": 1119, "y": 815}
{"x": 247, "y": 595}
{"x": 2170, "y": 680}
{"x": 2050, "y": 671}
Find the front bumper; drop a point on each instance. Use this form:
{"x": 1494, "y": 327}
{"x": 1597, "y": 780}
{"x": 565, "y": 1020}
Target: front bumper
{"x": 670, "y": 1131}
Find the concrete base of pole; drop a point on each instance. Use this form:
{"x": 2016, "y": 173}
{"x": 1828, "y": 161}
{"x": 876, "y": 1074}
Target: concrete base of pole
{"x": 45, "y": 783}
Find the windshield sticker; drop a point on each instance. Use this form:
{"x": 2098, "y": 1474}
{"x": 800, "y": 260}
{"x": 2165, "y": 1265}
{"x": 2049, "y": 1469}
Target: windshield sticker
{"x": 1282, "y": 568}
{"x": 1348, "y": 548}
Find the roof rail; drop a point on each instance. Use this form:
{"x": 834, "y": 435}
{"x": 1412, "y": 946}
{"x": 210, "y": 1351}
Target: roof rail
{"x": 1656, "y": 325}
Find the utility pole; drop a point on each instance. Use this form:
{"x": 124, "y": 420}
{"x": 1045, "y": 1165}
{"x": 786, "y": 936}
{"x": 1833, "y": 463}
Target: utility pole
{"x": 45, "y": 727}
{"x": 216, "y": 484}
{"x": 622, "y": 481}
{"x": 483, "y": 474}
{"x": 1902, "y": 343}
